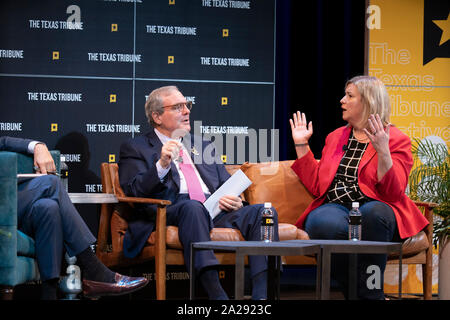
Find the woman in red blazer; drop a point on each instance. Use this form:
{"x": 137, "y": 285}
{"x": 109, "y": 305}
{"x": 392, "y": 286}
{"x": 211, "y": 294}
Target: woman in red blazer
{"x": 367, "y": 161}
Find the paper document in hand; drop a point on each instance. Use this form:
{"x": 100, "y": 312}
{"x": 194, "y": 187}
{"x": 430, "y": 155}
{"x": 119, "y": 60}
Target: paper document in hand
{"x": 26, "y": 176}
{"x": 234, "y": 186}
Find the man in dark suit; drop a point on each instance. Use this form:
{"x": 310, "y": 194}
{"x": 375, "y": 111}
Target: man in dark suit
{"x": 154, "y": 165}
{"x": 46, "y": 214}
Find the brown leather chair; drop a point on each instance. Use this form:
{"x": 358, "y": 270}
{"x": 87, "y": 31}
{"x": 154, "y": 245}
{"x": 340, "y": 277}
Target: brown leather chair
{"x": 163, "y": 245}
{"x": 109, "y": 248}
{"x": 277, "y": 183}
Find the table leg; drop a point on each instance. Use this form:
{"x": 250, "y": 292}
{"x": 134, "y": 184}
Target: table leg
{"x": 239, "y": 276}
{"x": 278, "y": 276}
{"x": 270, "y": 277}
{"x": 325, "y": 274}
{"x": 273, "y": 277}
{"x": 352, "y": 271}
{"x": 318, "y": 275}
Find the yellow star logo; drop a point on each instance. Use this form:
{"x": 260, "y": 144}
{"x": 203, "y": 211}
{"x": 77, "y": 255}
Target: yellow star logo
{"x": 445, "y": 27}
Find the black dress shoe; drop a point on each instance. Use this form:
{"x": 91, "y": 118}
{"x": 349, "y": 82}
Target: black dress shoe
{"x": 123, "y": 285}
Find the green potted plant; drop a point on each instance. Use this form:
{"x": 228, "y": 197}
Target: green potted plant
{"x": 429, "y": 181}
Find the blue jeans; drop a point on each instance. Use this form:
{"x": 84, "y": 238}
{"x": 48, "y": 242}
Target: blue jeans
{"x": 330, "y": 221}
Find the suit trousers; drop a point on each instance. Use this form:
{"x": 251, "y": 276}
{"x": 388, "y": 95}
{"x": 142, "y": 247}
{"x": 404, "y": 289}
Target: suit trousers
{"x": 195, "y": 224}
{"x": 330, "y": 221}
{"x": 46, "y": 214}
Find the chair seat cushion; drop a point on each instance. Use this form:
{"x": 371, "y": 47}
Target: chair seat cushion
{"x": 25, "y": 245}
{"x": 286, "y": 232}
{"x": 26, "y": 270}
{"x": 217, "y": 234}
{"x": 413, "y": 245}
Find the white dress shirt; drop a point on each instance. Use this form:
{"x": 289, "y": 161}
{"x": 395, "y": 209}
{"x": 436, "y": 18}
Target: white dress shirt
{"x": 31, "y": 146}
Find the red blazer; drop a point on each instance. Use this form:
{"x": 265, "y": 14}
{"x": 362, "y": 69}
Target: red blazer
{"x": 317, "y": 177}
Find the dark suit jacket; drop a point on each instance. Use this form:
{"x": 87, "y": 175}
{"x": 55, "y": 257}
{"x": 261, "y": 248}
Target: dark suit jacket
{"x": 14, "y": 144}
{"x": 139, "y": 178}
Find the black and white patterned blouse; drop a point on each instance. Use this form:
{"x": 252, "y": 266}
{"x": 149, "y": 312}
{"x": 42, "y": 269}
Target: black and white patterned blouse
{"x": 344, "y": 189}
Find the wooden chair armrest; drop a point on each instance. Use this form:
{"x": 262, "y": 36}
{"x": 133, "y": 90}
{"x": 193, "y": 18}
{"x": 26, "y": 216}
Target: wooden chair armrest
{"x": 144, "y": 200}
{"x": 428, "y": 210}
{"x": 104, "y": 231}
{"x": 428, "y": 205}
{"x": 428, "y": 213}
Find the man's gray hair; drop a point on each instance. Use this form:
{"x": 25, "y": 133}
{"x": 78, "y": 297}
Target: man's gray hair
{"x": 154, "y": 102}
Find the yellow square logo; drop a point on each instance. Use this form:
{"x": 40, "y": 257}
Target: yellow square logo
{"x": 224, "y": 158}
{"x": 112, "y": 158}
{"x": 55, "y": 55}
{"x": 170, "y": 59}
{"x": 171, "y": 2}
{"x": 225, "y": 33}
{"x": 54, "y": 127}
{"x": 112, "y": 98}
{"x": 114, "y": 27}
{"x": 221, "y": 274}
{"x": 224, "y": 101}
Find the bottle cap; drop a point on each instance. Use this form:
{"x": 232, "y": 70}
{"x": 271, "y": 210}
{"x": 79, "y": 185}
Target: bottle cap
{"x": 355, "y": 204}
{"x": 267, "y": 204}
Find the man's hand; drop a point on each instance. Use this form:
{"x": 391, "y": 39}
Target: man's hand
{"x": 169, "y": 152}
{"x": 43, "y": 160}
{"x": 230, "y": 203}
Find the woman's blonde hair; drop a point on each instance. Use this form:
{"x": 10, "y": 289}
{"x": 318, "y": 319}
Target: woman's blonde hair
{"x": 374, "y": 97}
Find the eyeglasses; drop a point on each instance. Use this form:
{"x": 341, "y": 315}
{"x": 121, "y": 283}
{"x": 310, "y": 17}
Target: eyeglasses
{"x": 180, "y": 106}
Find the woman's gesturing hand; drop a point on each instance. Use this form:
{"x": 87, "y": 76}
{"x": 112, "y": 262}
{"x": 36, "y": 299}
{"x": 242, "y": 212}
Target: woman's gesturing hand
{"x": 301, "y": 132}
{"x": 379, "y": 137}
{"x": 377, "y": 134}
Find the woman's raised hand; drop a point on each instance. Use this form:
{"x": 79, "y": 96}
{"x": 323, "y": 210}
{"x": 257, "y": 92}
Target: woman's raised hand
{"x": 301, "y": 131}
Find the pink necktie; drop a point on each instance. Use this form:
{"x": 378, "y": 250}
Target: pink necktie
{"x": 193, "y": 184}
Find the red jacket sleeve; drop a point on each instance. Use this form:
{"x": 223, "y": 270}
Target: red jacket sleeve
{"x": 307, "y": 169}
{"x": 393, "y": 184}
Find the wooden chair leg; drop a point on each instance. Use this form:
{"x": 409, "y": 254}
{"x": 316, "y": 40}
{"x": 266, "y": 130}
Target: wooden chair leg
{"x": 6, "y": 292}
{"x": 427, "y": 281}
{"x": 427, "y": 268}
{"x": 160, "y": 256}
{"x": 160, "y": 278}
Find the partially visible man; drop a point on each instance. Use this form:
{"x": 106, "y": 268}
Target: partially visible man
{"x": 46, "y": 214}
{"x": 158, "y": 165}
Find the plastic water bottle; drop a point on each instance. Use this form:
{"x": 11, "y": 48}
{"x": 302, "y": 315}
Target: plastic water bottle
{"x": 267, "y": 223}
{"x": 64, "y": 174}
{"x": 71, "y": 284}
{"x": 354, "y": 223}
